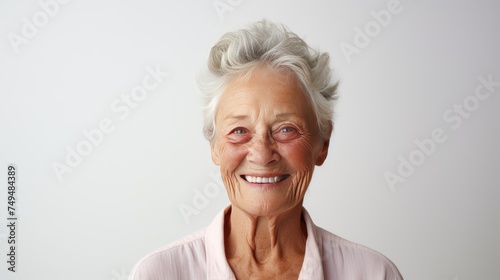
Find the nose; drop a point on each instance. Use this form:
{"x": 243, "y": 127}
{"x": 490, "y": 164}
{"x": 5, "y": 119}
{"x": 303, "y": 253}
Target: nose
{"x": 262, "y": 150}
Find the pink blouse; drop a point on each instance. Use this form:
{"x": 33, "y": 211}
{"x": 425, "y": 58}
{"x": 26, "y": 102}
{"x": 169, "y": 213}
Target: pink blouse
{"x": 201, "y": 256}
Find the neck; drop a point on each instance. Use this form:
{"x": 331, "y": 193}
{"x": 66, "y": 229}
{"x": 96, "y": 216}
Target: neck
{"x": 265, "y": 239}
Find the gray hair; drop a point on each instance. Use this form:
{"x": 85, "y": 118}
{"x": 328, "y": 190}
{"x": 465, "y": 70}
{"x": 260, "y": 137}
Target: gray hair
{"x": 274, "y": 45}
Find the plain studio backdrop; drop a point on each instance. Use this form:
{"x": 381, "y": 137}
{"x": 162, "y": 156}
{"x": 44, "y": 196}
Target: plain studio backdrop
{"x": 102, "y": 118}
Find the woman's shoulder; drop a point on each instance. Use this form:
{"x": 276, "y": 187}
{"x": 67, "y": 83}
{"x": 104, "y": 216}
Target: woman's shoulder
{"x": 172, "y": 259}
{"x": 353, "y": 256}
{"x": 332, "y": 240}
{"x": 185, "y": 258}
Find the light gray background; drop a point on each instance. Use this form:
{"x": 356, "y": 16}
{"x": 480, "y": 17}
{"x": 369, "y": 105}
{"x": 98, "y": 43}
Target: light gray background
{"x": 122, "y": 201}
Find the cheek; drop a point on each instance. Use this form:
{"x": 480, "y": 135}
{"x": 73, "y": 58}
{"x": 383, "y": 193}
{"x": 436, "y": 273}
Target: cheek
{"x": 231, "y": 156}
{"x": 300, "y": 153}
{"x": 299, "y": 156}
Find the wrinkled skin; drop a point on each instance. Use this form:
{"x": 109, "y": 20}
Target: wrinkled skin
{"x": 266, "y": 127}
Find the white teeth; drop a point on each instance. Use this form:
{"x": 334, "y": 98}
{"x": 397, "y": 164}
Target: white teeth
{"x": 254, "y": 179}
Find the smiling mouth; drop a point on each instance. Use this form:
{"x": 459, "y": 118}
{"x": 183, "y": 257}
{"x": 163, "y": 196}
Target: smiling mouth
{"x": 264, "y": 180}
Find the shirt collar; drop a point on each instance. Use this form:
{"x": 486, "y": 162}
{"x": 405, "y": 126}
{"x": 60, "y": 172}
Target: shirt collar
{"x": 217, "y": 265}
{"x": 218, "y": 268}
{"x": 312, "y": 267}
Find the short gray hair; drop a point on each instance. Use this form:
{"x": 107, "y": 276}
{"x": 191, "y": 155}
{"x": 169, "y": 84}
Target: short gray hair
{"x": 274, "y": 45}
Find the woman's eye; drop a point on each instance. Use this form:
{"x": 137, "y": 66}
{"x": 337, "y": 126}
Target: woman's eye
{"x": 239, "y": 131}
{"x": 287, "y": 129}
{"x": 286, "y": 133}
{"x": 239, "y": 135}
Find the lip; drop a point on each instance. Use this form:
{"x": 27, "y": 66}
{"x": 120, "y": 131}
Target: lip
{"x": 264, "y": 174}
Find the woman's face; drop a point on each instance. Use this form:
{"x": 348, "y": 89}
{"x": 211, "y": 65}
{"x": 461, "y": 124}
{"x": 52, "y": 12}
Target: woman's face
{"x": 267, "y": 142}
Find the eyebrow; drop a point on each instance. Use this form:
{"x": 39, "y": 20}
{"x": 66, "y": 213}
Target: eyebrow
{"x": 279, "y": 116}
{"x": 235, "y": 117}
{"x": 286, "y": 115}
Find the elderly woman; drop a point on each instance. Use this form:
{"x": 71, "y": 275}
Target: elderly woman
{"x": 268, "y": 119}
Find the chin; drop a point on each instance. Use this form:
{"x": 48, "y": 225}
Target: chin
{"x": 266, "y": 207}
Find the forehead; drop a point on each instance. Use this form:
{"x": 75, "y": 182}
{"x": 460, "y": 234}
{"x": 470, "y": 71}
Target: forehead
{"x": 277, "y": 91}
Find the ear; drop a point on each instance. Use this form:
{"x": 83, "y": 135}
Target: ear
{"x": 214, "y": 153}
{"x": 324, "y": 149}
